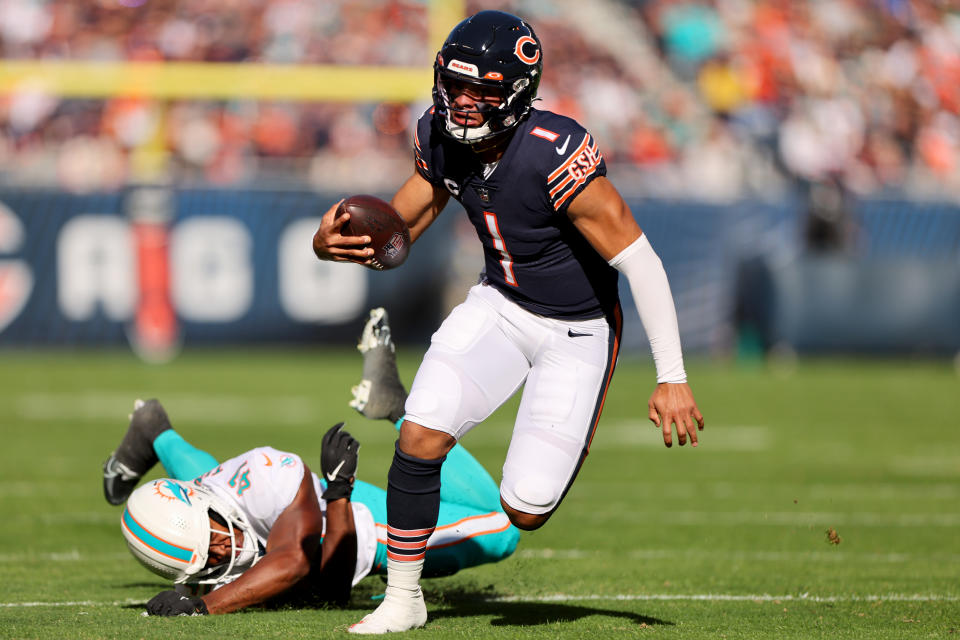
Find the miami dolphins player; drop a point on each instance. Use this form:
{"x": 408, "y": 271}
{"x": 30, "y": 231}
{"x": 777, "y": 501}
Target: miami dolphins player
{"x": 261, "y": 525}
{"x": 546, "y": 314}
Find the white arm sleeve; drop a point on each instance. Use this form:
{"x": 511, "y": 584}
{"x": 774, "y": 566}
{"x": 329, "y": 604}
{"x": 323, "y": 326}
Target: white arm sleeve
{"x": 651, "y": 294}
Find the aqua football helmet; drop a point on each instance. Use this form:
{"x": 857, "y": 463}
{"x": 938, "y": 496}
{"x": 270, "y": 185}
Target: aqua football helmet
{"x": 495, "y": 52}
{"x": 166, "y": 524}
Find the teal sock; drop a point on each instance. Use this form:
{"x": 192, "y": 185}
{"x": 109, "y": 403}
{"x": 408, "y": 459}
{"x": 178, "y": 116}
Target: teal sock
{"x": 464, "y": 481}
{"x": 182, "y": 460}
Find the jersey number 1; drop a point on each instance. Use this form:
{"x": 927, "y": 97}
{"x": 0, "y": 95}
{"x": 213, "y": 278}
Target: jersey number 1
{"x": 507, "y": 260}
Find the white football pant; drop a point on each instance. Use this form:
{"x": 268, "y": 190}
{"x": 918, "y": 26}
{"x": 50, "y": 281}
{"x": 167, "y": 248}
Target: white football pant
{"x": 483, "y": 352}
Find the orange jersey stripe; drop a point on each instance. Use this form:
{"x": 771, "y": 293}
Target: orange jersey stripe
{"x": 467, "y": 519}
{"x": 472, "y": 535}
{"x": 455, "y": 542}
{"x": 383, "y": 540}
{"x": 561, "y": 185}
{"x": 579, "y": 182}
{"x": 596, "y": 154}
{"x": 566, "y": 163}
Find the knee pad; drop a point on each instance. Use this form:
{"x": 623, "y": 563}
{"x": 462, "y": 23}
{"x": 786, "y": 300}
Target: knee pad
{"x": 539, "y": 467}
{"x": 532, "y": 493}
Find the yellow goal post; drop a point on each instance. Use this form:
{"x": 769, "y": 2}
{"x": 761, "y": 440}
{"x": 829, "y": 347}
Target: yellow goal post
{"x": 225, "y": 81}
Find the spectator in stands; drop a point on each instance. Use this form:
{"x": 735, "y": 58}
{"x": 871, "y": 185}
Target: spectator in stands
{"x": 867, "y": 91}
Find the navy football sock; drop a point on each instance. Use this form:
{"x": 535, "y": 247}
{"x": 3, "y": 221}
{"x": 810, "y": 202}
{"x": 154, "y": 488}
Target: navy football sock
{"x": 413, "y": 505}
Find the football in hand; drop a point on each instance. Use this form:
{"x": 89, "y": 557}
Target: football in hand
{"x": 389, "y": 235}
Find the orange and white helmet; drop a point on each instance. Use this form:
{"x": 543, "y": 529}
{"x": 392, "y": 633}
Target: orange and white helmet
{"x": 166, "y": 524}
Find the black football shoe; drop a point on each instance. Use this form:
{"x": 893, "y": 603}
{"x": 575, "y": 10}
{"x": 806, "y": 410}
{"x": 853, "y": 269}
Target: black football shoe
{"x": 380, "y": 394}
{"x": 135, "y": 455}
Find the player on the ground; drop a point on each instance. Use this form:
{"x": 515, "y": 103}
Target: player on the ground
{"x": 546, "y": 314}
{"x": 250, "y": 528}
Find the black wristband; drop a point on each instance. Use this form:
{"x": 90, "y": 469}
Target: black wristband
{"x": 337, "y": 489}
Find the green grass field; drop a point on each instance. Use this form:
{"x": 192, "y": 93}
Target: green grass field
{"x": 724, "y": 541}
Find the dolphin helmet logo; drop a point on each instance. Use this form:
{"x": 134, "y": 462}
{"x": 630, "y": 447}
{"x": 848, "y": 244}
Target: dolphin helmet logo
{"x": 170, "y": 490}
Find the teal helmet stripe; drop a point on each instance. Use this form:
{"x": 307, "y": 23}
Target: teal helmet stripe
{"x": 155, "y": 543}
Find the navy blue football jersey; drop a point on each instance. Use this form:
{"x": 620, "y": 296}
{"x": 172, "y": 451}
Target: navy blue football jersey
{"x": 533, "y": 253}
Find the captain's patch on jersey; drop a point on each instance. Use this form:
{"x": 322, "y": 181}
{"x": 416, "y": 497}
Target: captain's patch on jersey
{"x": 574, "y": 171}
{"x": 546, "y": 134}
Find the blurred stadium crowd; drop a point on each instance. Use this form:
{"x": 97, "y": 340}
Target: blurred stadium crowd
{"x": 713, "y": 100}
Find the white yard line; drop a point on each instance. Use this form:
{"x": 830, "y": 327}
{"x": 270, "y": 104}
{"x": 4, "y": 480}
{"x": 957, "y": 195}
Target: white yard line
{"x": 628, "y": 597}
{"x": 74, "y": 555}
{"x": 731, "y": 597}
{"x": 732, "y": 491}
{"x": 795, "y": 518}
{"x": 836, "y": 555}
{"x": 73, "y": 603}
{"x": 636, "y": 433}
{"x": 696, "y": 518}
{"x": 114, "y": 406}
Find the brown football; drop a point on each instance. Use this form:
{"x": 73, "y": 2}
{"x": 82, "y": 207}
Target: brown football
{"x": 389, "y": 235}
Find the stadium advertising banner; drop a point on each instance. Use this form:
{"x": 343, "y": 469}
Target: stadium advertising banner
{"x": 162, "y": 268}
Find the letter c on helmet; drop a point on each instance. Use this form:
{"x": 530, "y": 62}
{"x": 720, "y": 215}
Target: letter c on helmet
{"x": 523, "y": 56}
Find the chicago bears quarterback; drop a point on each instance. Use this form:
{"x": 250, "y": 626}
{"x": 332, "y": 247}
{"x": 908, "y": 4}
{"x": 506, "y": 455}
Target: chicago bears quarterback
{"x": 556, "y": 235}
{"x": 237, "y": 533}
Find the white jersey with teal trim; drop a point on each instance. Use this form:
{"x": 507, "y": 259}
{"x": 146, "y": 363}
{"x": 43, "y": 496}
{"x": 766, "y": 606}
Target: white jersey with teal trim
{"x": 263, "y": 482}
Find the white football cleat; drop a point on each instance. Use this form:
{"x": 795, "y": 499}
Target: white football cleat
{"x": 380, "y": 394}
{"x": 376, "y": 332}
{"x": 361, "y": 395}
{"x": 400, "y": 610}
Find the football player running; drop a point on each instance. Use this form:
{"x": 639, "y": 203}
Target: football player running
{"x": 260, "y": 525}
{"x": 546, "y": 315}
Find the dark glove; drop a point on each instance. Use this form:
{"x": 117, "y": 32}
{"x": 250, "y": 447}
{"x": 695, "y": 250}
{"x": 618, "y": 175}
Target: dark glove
{"x": 338, "y": 462}
{"x": 171, "y": 603}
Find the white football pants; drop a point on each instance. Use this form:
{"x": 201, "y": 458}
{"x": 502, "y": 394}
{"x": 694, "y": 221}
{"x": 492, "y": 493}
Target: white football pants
{"x": 486, "y": 348}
